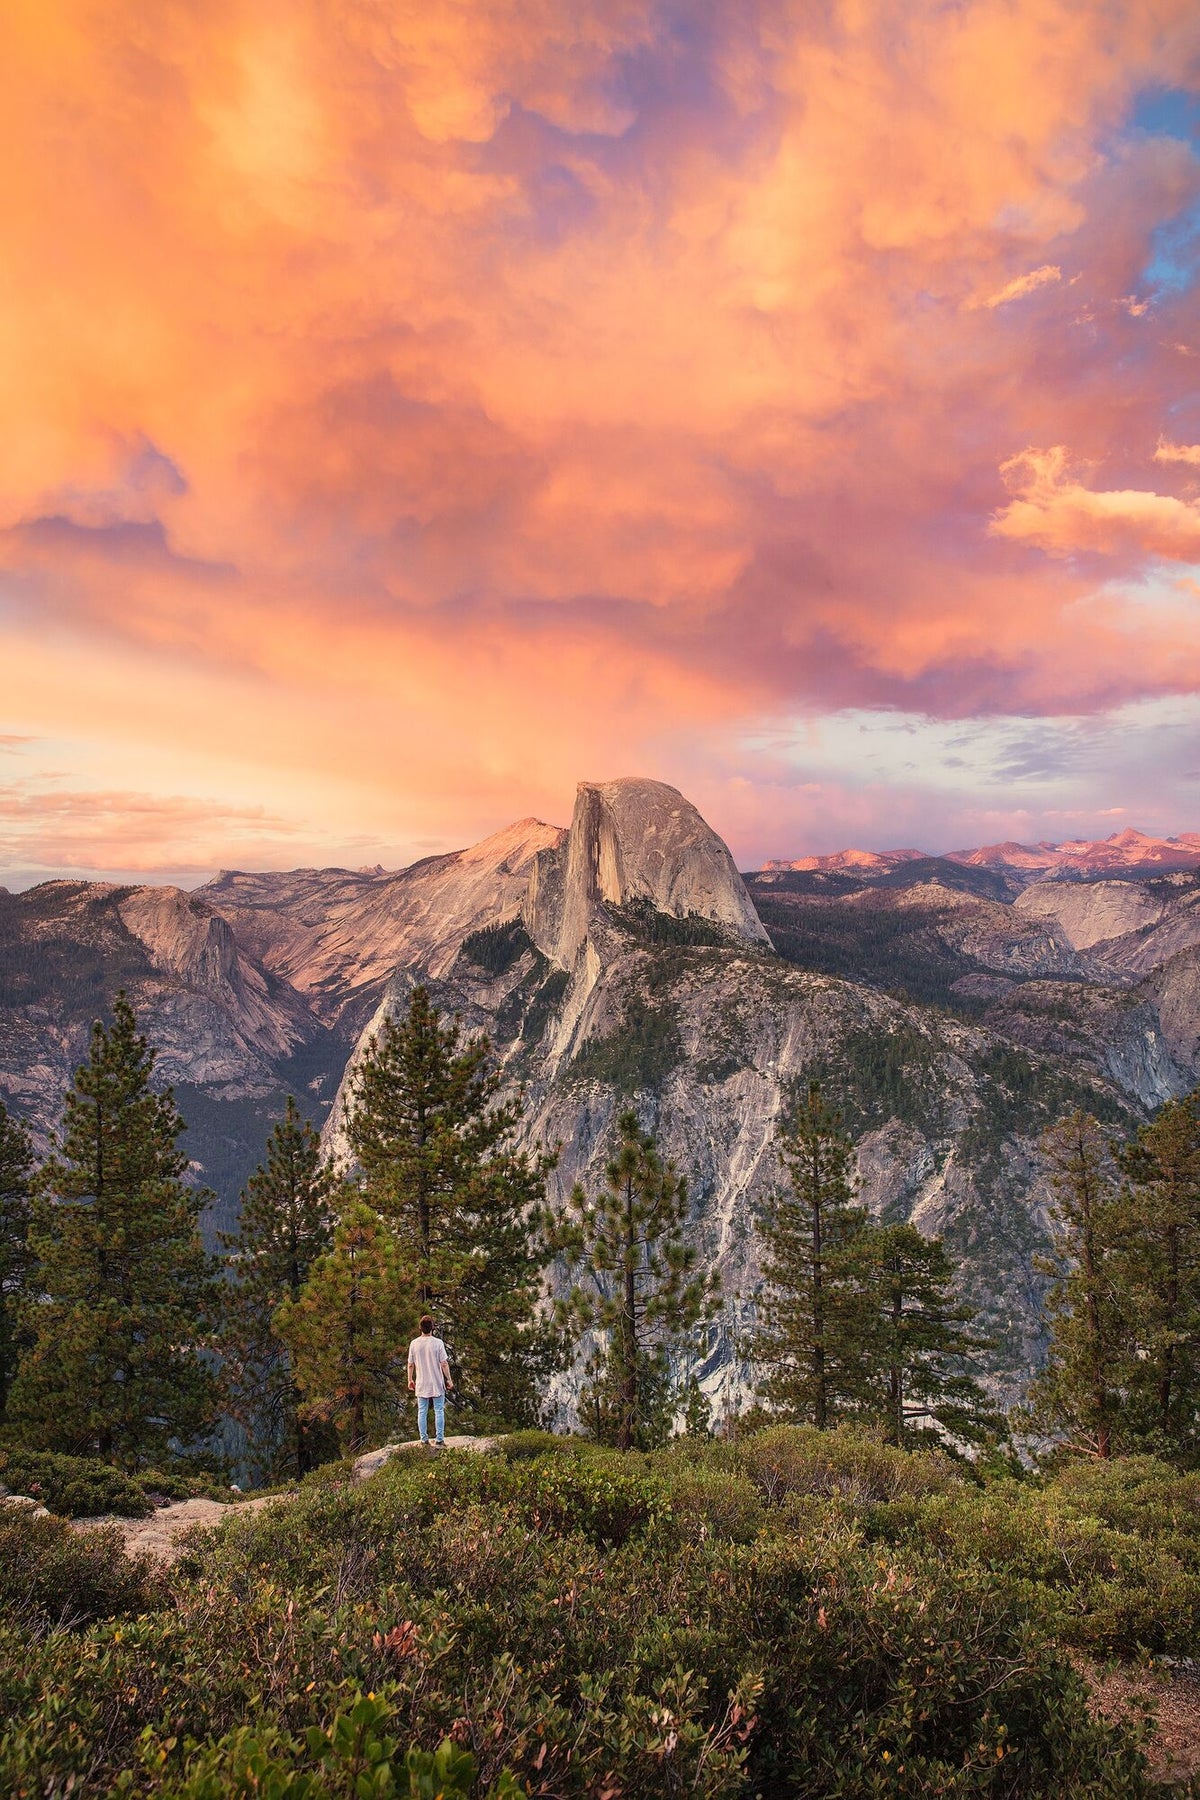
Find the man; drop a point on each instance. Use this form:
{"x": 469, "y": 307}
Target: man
{"x": 428, "y": 1378}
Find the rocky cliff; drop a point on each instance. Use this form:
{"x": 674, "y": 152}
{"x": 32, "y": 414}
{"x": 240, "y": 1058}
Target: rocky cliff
{"x": 625, "y": 962}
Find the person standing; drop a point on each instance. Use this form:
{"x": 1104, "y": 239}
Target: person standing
{"x": 429, "y": 1378}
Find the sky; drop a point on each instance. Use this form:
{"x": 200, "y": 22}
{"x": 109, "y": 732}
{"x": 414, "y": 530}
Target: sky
{"x": 412, "y": 410}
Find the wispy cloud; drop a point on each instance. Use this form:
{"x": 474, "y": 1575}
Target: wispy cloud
{"x": 1020, "y": 286}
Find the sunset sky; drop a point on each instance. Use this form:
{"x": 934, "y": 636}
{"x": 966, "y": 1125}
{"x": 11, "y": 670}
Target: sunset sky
{"x": 412, "y": 409}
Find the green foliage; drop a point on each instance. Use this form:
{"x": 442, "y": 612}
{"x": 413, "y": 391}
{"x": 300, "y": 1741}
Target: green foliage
{"x": 345, "y": 1331}
{"x": 76, "y": 1487}
{"x": 899, "y": 950}
{"x": 54, "y": 1577}
{"x": 497, "y": 947}
{"x": 285, "y": 1225}
{"x": 82, "y": 1487}
{"x": 354, "y": 1757}
{"x": 640, "y": 1054}
{"x": 125, "y": 1291}
{"x": 16, "y": 1261}
{"x": 519, "y": 1446}
{"x": 788, "y": 1461}
{"x": 547, "y": 996}
{"x": 431, "y": 1138}
{"x": 876, "y": 1073}
{"x": 61, "y": 946}
{"x": 1021, "y": 1095}
{"x": 1159, "y": 1222}
{"x": 1078, "y": 1391}
{"x": 642, "y": 920}
{"x": 815, "y": 1316}
{"x": 588, "y": 1624}
{"x": 637, "y": 1287}
{"x": 922, "y": 1343}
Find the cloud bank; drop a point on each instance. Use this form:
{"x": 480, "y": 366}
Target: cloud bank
{"x": 415, "y": 410}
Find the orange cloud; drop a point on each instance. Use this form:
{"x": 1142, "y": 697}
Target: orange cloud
{"x": 416, "y": 409}
{"x": 1057, "y": 513}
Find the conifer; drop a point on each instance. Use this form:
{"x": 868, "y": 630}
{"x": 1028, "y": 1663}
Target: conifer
{"x": 637, "y": 1286}
{"x": 285, "y": 1223}
{"x": 125, "y": 1292}
{"x": 348, "y": 1330}
{"x": 816, "y": 1332}
{"x": 16, "y": 1264}
{"x": 1160, "y": 1222}
{"x": 1079, "y": 1392}
{"x": 923, "y": 1342}
{"x": 431, "y": 1137}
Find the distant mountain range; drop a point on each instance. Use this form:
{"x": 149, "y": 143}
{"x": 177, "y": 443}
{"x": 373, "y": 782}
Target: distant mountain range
{"x": 1128, "y": 853}
{"x": 952, "y": 1005}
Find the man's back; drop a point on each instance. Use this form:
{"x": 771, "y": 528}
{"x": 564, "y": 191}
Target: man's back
{"x": 427, "y": 1354}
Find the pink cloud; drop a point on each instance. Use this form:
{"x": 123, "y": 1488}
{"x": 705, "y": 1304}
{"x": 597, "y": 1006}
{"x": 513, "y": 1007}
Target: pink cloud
{"x": 1055, "y": 511}
{"x": 461, "y": 401}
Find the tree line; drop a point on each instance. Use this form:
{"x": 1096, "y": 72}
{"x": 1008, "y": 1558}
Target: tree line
{"x": 122, "y": 1338}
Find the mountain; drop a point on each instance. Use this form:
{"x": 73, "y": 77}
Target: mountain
{"x": 954, "y": 1008}
{"x": 1129, "y": 853}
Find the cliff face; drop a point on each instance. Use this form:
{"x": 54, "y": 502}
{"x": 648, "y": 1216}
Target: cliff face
{"x": 336, "y": 935}
{"x": 641, "y": 841}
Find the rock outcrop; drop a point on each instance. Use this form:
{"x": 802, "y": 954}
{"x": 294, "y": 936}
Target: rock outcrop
{"x": 640, "y": 841}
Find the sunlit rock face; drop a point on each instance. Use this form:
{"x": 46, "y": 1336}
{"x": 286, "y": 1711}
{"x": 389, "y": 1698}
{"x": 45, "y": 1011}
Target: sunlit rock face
{"x": 641, "y": 841}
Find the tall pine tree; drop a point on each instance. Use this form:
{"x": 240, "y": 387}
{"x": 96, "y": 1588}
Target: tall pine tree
{"x": 1079, "y": 1393}
{"x": 16, "y": 1263}
{"x": 924, "y": 1343}
{"x": 1160, "y": 1223}
{"x": 125, "y": 1293}
{"x": 285, "y": 1223}
{"x": 637, "y": 1286}
{"x": 348, "y": 1330}
{"x": 816, "y": 1333}
{"x": 432, "y": 1139}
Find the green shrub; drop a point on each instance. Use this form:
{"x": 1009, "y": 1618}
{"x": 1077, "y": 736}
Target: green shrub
{"x": 51, "y": 1575}
{"x": 595, "y": 1621}
{"x": 789, "y": 1460}
{"x": 520, "y": 1446}
{"x": 76, "y": 1487}
{"x": 82, "y": 1487}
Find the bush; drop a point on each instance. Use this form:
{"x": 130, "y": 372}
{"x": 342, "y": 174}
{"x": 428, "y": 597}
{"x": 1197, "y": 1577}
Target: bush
{"x": 76, "y": 1487}
{"x": 789, "y": 1460}
{"x": 82, "y": 1487}
{"x": 51, "y": 1575}
{"x": 520, "y": 1446}
{"x": 594, "y": 1622}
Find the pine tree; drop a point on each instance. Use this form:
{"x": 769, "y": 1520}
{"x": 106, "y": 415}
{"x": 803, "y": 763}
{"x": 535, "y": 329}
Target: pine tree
{"x": 125, "y": 1291}
{"x": 432, "y": 1140}
{"x": 636, "y": 1286}
{"x": 285, "y": 1224}
{"x": 816, "y": 1331}
{"x": 924, "y": 1338}
{"x": 16, "y": 1264}
{"x": 1079, "y": 1392}
{"x": 348, "y": 1331}
{"x": 1160, "y": 1220}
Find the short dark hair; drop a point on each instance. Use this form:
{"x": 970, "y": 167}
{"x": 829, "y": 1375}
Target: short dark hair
{"x": 426, "y": 1323}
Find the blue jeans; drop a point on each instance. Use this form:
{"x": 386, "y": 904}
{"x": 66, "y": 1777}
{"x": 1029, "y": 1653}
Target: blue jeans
{"x": 439, "y": 1413}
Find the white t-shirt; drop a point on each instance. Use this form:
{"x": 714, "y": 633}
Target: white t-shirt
{"x": 426, "y": 1356}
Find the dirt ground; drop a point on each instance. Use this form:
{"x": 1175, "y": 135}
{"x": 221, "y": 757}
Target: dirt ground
{"x": 1174, "y": 1695}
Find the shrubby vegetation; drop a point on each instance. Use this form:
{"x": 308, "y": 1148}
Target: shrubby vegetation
{"x": 800, "y": 1612}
